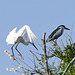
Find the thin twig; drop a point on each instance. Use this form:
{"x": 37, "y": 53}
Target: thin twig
{"x": 24, "y": 63}
{"x": 33, "y": 54}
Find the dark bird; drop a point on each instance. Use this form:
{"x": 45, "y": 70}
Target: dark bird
{"x": 56, "y": 33}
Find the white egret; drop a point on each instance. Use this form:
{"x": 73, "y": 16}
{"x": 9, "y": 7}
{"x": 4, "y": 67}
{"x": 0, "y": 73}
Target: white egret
{"x": 24, "y": 36}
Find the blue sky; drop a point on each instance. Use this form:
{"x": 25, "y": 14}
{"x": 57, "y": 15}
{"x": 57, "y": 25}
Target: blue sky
{"x": 41, "y": 16}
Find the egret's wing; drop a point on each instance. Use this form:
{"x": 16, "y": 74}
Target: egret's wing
{"x": 27, "y": 34}
{"x": 23, "y": 33}
{"x": 11, "y": 38}
{"x": 30, "y": 34}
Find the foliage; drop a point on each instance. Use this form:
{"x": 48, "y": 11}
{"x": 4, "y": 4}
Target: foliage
{"x": 68, "y": 55}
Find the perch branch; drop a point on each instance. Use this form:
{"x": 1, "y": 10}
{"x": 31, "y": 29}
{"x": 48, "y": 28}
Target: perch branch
{"x": 45, "y": 55}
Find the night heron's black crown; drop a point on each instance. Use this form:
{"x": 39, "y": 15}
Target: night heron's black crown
{"x": 61, "y": 26}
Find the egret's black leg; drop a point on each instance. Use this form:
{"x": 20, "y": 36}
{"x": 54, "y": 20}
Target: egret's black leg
{"x": 18, "y": 51}
{"x": 33, "y": 45}
{"x": 13, "y": 52}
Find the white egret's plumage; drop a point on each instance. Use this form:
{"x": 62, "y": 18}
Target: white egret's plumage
{"x": 24, "y": 32}
{"x": 11, "y": 38}
{"x": 24, "y": 35}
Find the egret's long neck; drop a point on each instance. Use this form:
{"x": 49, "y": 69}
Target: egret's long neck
{"x": 20, "y": 39}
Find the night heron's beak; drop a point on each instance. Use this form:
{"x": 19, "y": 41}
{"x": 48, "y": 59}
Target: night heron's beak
{"x": 67, "y": 28}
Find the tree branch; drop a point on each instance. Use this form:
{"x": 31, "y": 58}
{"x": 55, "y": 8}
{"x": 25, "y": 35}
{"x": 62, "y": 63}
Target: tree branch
{"x": 45, "y": 55}
{"x": 71, "y": 62}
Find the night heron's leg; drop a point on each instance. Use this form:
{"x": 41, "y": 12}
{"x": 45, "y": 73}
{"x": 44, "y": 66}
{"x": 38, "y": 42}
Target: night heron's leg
{"x": 19, "y": 52}
{"x": 12, "y": 52}
{"x": 33, "y": 45}
{"x": 56, "y": 43}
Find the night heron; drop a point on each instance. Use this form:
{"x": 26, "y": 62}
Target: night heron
{"x": 56, "y": 33}
{"x": 24, "y": 36}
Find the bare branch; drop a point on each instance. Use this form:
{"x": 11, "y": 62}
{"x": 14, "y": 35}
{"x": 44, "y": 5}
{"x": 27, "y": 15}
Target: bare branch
{"x": 45, "y": 55}
{"x": 71, "y": 62}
